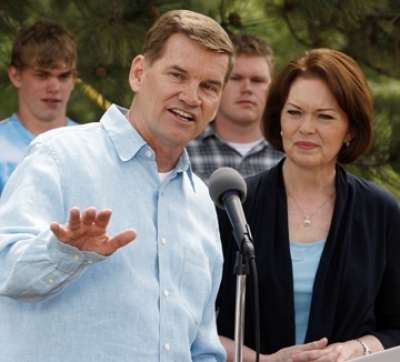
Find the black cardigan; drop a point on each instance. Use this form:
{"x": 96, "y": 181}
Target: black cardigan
{"x": 357, "y": 285}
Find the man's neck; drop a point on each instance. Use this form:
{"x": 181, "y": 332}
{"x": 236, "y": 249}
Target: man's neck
{"x": 37, "y": 126}
{"x": 237, "y": 132}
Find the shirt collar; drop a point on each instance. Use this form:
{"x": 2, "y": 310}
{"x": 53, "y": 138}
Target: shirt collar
{"x": 125, "y": 138}
{"x": 127, "y": 141}
{"x": 184, "y": 165}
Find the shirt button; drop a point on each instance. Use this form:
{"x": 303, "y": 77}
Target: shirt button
{"x": 77, "y": 257}
{"x": 163, "y": 240}
{"x": 167, "y": 346}
{"x": 166, "y": 293}
{"x": 149, "y": 153}
{"x": 51, "y": 281}
{"x": 90, "y": 262}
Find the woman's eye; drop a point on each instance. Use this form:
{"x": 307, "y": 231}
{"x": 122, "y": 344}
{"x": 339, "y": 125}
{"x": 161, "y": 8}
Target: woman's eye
{"x": 326, "y": 116}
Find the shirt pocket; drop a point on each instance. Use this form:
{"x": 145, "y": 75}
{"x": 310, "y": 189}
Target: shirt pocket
{"x": 195, "y": 284}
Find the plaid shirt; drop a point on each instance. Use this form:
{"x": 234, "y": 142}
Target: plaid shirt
{"x": 208, "y": 152}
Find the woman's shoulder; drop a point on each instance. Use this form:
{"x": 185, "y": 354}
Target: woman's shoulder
{"x": 368, "y": 192}
{"x": 266, "y": 181}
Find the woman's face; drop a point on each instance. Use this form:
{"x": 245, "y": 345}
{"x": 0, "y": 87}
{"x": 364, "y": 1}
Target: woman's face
{"x": 313, "y": 125}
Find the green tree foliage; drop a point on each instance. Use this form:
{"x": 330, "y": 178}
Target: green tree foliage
{"x": 109, "y": 33}
{"x": 367, "y": 30}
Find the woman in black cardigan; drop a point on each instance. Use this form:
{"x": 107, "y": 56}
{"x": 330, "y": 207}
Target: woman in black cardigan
{"x": 327, "y": 243}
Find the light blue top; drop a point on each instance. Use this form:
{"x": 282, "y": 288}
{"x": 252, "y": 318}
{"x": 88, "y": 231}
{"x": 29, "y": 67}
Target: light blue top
{"x": 152, "y": 300}
{"x": 14, "y": 140}
{"x": 305, "y": 261}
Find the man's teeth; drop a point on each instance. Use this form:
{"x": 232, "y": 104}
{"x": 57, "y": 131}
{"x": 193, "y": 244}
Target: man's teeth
{"x": 182, "y": 114}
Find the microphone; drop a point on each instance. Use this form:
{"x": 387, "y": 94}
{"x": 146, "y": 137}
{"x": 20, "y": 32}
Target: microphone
{"x": 228, "y": 190}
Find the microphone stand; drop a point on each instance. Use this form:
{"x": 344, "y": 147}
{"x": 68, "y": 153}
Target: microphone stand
{"x": 241, "y": 269}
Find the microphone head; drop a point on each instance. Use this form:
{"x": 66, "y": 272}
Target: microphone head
{"x": 223, "y": 180}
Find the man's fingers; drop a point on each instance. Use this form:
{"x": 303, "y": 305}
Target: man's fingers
{"x": 74, "y": 221}
{"x": 59, "y": 231}
{"x": 88, "y": 231}
{"x": 55, "y": 227}
{"x": 88, "y": 216}
{"x": 103, "y": 218}
{"x": 122, "y": 239}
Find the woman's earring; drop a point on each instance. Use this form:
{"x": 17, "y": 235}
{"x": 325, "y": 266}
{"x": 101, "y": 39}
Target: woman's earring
{"x": 281, "y": 133}
{"x": 347, "y": 144}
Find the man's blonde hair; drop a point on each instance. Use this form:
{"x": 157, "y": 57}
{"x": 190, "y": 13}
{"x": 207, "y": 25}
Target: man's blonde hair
{"x": 200, "y": 28}
{"x": 46, "y": 44}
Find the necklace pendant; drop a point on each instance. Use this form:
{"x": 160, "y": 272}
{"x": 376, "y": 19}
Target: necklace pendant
{"x": 307, "y": 221}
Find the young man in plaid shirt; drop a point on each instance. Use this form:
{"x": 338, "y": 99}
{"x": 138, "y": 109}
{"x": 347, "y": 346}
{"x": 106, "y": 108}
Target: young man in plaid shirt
{"x": 234, "y": 138}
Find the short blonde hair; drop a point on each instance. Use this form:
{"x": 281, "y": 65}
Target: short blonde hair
{"x": 200, "y": 28}
{"x": 46, "y": 44}
{"x": 252, "y": 45}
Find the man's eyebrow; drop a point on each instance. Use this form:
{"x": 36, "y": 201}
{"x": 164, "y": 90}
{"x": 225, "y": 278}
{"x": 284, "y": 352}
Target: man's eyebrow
{"x": 183, "y": 71}
{"x": 40, "y": 70}
{"x": 47, "y": 71}
{"x": 178, "y": 68}
{"x": 67, "y": 72}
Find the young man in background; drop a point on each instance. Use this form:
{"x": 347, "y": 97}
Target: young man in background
{"x": 43, "y": 72}
{"x": 234, "y": 138}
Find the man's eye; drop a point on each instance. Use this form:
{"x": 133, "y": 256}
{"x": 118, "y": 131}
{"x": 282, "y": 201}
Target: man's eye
{"x": 176, "y": 75}
{"x": 210, "y": 87}
{"x": 65, "y": 76}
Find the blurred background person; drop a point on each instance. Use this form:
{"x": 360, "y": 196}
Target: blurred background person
{"x": 43, "y": 72}
{"x": 327, "y": 243}
{"x": 234, "y": 138}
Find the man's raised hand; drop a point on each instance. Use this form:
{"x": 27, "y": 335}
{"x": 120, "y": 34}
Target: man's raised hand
{"x": 88, "y": 231}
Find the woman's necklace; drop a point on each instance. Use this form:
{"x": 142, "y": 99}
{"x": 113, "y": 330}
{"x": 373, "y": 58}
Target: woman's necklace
{"x": 307, "y": 219}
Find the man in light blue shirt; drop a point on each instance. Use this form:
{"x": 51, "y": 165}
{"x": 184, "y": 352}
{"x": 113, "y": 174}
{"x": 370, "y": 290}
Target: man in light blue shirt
{"x": 43, "y": 71}
{"x": 79, "y": 289}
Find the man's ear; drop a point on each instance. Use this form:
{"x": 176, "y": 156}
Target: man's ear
{"x": 137, "y": 68}
{"x": 15, "y": 76}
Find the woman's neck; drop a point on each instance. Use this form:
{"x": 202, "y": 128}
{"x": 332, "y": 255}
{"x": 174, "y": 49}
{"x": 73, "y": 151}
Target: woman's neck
{"x": 305, "y": 182}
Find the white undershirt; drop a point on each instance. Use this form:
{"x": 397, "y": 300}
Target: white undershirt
{"x": 244, "y": 148}
{"x": 163, "y": 175}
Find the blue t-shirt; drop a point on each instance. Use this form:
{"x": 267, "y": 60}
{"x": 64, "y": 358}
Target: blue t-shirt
{"x": 305, "y": 261}
{"x": 14, "y": 140}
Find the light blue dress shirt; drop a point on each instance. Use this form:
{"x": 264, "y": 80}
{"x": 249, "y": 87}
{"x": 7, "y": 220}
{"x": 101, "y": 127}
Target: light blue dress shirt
{"x": 152, "y": 300}
{"x": 14, "y": 140}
